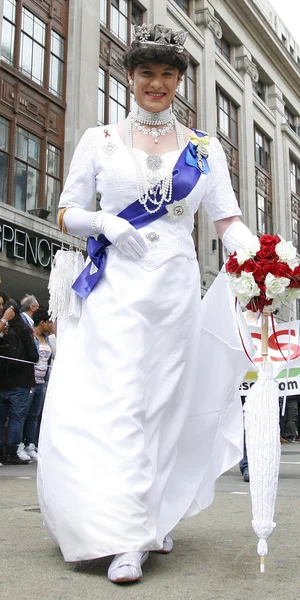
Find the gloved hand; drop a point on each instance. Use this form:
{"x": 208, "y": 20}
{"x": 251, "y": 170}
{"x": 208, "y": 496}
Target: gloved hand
{"x": 121, "y": 234}
{"x": 118, "y": 231}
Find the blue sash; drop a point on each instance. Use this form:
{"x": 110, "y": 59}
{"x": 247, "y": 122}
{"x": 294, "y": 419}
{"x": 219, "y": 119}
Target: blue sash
{"x": 186, "y": 173}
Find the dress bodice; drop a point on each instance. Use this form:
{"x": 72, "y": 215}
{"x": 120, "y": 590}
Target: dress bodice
{"x": 103, "y": 164}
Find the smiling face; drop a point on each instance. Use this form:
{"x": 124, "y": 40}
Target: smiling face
{"x": 154, "y": 85}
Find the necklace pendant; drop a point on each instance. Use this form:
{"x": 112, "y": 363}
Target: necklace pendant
{"x": 155, "y": 141}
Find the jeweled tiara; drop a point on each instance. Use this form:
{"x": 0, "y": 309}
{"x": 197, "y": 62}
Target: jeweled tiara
{"x": 162, "y": 36}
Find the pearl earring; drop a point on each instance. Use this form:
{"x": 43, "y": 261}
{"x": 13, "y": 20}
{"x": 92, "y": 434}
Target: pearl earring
{"x": 130, "y": 81}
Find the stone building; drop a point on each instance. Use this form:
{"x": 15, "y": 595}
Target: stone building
{"x": 61, "y": 72}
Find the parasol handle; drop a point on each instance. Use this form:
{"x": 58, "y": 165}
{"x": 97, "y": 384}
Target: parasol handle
{"x": 262, "y": 564}
{"x": 265, "y": 336}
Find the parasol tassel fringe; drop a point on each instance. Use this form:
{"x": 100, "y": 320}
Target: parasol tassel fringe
{"x": 60, "y": 284}
{"x": 75, "y": 300}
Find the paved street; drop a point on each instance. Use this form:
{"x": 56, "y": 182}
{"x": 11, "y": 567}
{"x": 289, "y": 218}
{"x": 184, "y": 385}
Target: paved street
{"x": 214, "y": 556}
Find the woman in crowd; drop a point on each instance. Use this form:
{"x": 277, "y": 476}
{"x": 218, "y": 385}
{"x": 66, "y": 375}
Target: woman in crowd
{"x": 42, "y": 327}
{"x": 16, "y": 379}
{"x": 129, "y": 445}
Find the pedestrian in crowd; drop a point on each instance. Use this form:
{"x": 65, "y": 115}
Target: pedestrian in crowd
{"x": 42, "y": 327}
{"x": 17, "y": 352}
{"x": 29, "y": 305}
{"x": 7, "y": 315}
{"x": 289, "y": 422}
{"x": 133, "y": 437}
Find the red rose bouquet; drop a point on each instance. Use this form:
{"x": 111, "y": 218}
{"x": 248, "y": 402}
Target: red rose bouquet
{"x": 265, "y": 274}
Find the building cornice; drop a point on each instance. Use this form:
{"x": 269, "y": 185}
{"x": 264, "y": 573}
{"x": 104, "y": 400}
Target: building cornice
{"x": 245, "y": 65}
{"x": 287, "y": 130}
{"x": 264, "y": 109}
{"x": 253, "y": 20}
{"x": 184, "y": 22}
{"x": 205, "y": 17}
{"x": 228, "y": 69}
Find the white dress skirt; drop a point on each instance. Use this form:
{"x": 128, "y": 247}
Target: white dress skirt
{"x": 142, "y": 412}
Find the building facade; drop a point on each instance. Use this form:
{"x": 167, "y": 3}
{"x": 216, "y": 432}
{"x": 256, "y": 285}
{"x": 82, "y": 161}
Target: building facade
{"x": 61, "y": 72}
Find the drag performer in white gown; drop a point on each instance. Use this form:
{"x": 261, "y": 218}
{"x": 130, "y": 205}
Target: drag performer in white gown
{"x": 138, "y": 424}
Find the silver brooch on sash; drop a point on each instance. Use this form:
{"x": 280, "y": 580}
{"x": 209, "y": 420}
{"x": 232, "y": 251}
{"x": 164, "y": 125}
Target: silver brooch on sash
{"x": 178, "y": 209}
{"x": 152, "y": 236}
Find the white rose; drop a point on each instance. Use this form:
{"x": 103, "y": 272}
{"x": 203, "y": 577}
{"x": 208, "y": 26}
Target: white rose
{"x": 292, "y": 294}
{"x": 293, "y": 263}
{"x": 243, "y": 254}
{"x": 275, "y": 286}
{"x": 245, "y": 288}
{"x": 285, "y": 251}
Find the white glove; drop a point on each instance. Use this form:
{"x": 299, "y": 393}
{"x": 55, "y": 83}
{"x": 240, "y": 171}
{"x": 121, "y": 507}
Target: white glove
{"x": 117, "y": 230}
{"x": 121, "y": 234}
{"x": 237, "y": 236}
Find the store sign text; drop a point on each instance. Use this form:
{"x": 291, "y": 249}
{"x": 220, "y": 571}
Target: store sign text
{"x": 20, "y": 244}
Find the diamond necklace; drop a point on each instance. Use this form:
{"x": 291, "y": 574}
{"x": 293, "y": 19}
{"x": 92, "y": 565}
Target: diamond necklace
{"x": 153, "y": 187}
{"x": 151, "y": 118}
{"x": 140, "y": 117}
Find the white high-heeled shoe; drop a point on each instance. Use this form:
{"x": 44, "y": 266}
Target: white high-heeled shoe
{"x": 127, "y": 567}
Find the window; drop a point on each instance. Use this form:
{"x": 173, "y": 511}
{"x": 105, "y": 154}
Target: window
{"x": 184, "y": 5}
{"x": 187, "y": 86}
{"x": 56, "y": 64}
{"x": 26, "y": 170}
{"x": 52, "y": 181}
{"x": 4, "y": 157}
{"x": 8, "y": 31}
{"x": 103, "y": 11}
{"x": 264, "y": 208}
{"x": 101, "y": 97}
{"x": 115, "y": 105}
{"x": 24, "y": 45}
{"x": 33, "y": 162}
{"x": 227, "y": 116}
{"x": 289, "y": 117}
{"x": 32, "y": 57}
{"x": 119, "y": 16}
{"x": 117, "y": 101}
{"x": 119, "y": 19}
{"x": 260, "y": 89}
{"x": 223, "y": 47}
{"x": 227, "y": 133}
{"x": 184, "y": 104}
{"x": 295, "y": 178}
{"x": 295, "y": 202}
{"x": 262, "y": 151}
{"x": 33, "y": 50}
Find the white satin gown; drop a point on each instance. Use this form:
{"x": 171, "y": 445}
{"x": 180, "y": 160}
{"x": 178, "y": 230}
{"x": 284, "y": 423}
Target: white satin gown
{"x": 141, "y": 414}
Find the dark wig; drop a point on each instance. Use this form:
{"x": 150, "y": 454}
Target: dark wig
{"x": 140, "y": 53}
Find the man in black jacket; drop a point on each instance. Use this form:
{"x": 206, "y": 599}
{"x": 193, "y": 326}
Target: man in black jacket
{"x": 16, "y": 379}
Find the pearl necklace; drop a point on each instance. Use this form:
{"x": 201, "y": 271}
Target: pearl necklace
{"x": 152, "y": 176}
